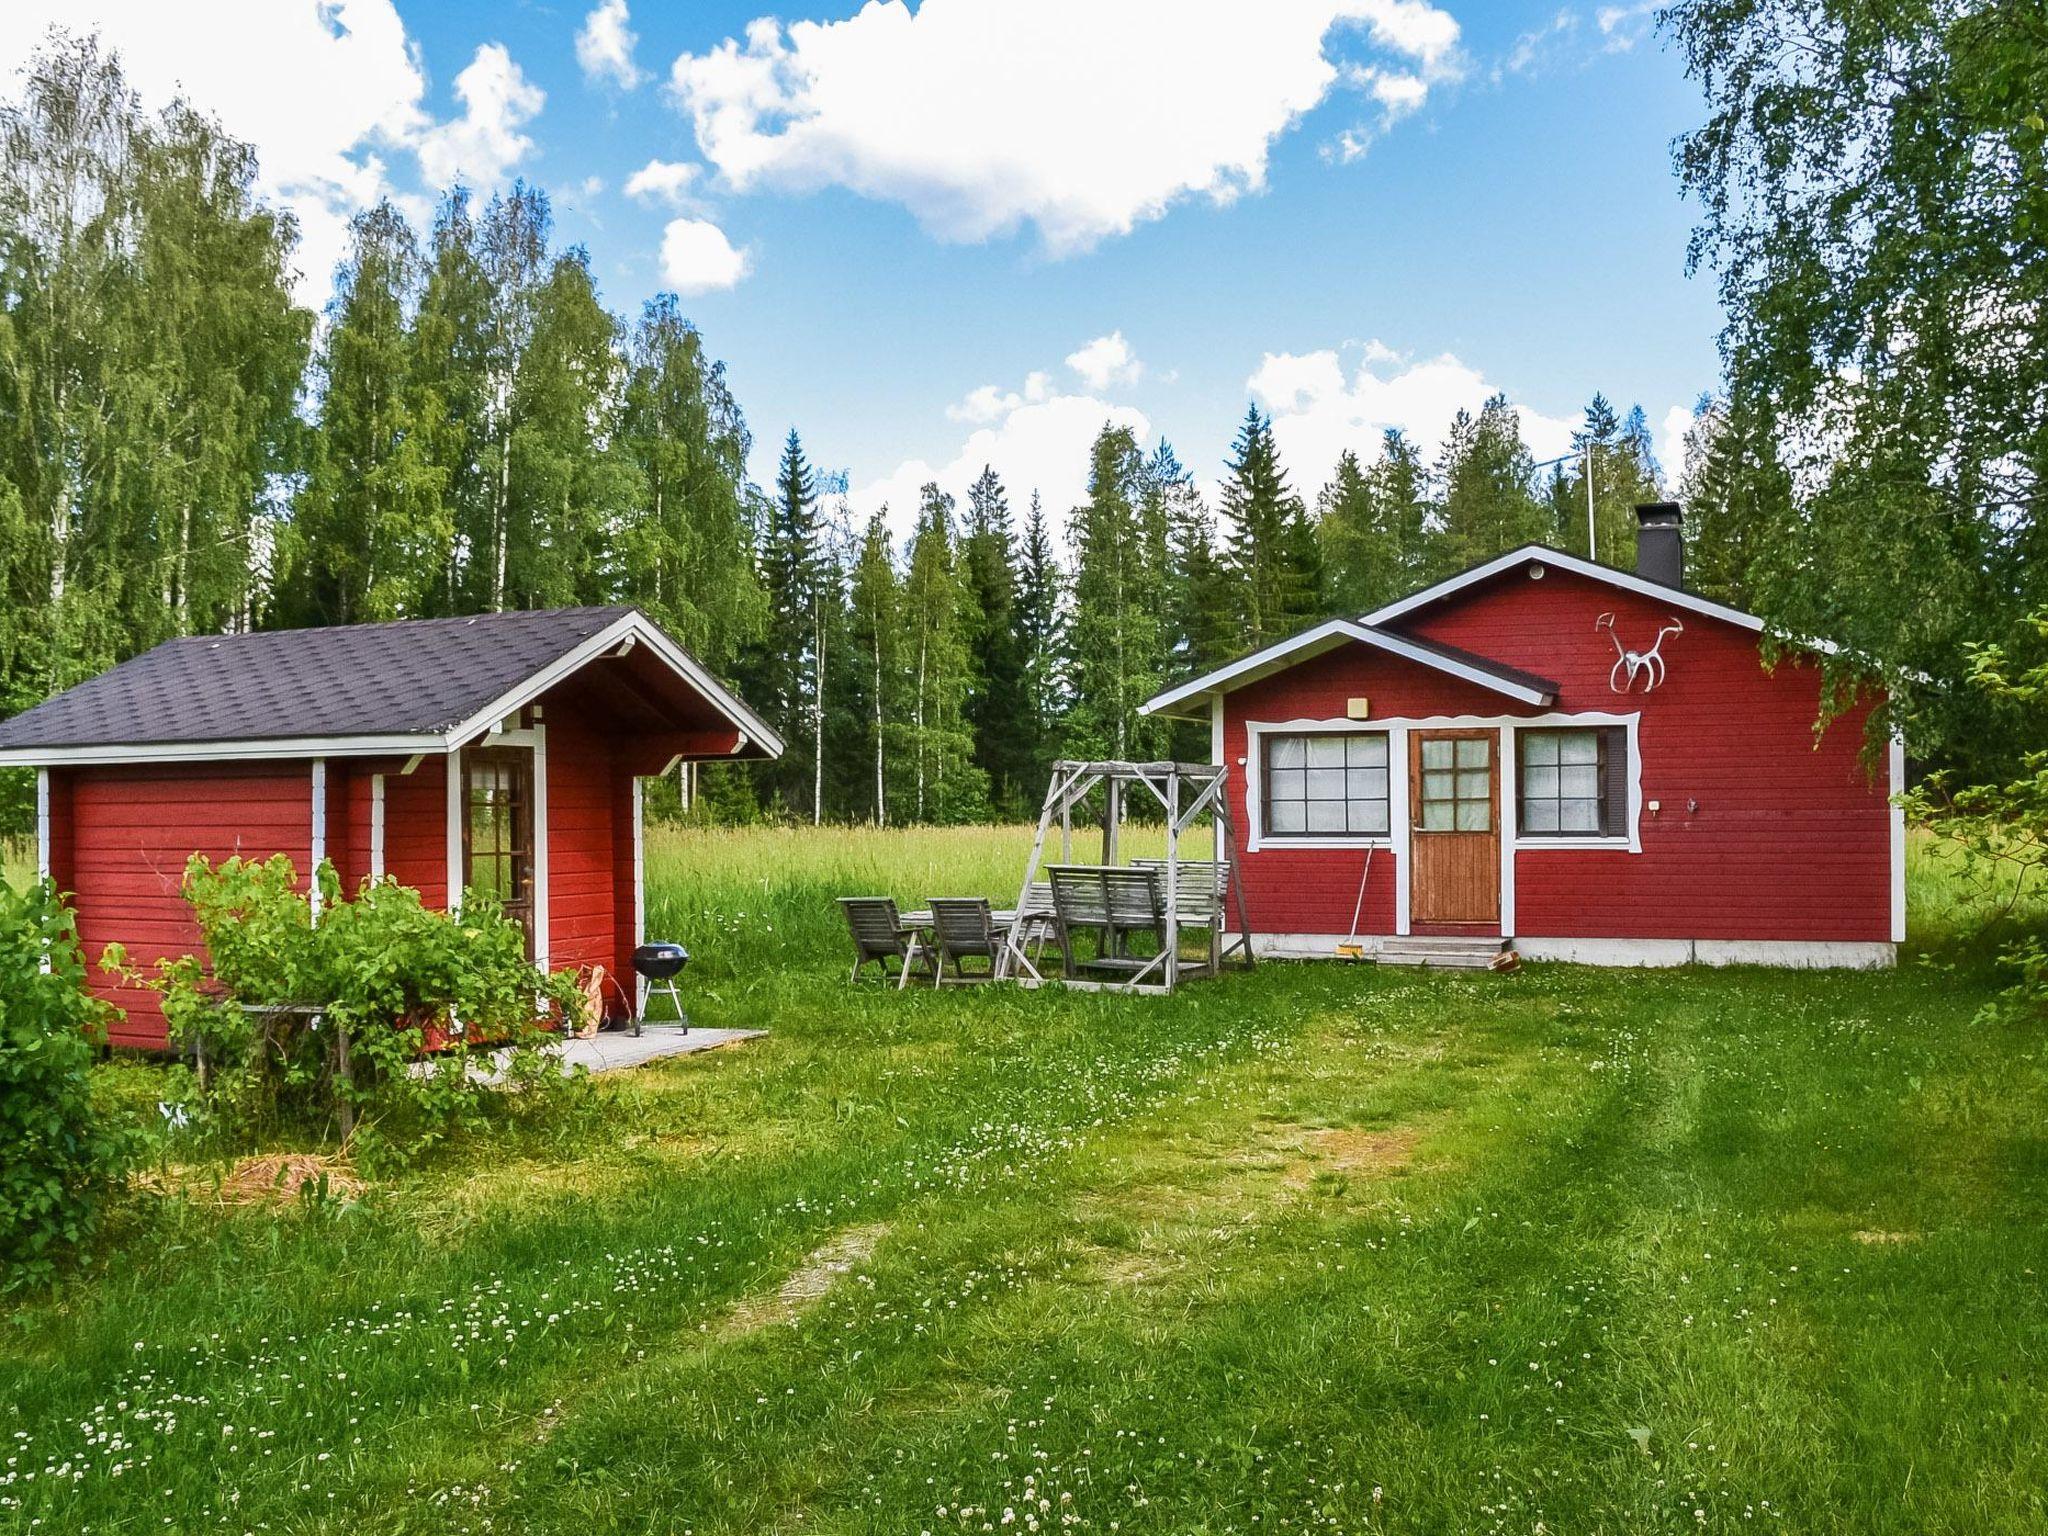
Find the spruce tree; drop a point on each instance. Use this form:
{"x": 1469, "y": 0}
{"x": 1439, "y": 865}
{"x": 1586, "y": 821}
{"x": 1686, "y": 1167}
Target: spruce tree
{"x": 938, "y": 620}
{"x": 785, "y": 673}
{"x": 1119, "y": 638}
{"x": 874, "y": 685}
{"x": 1734, "y": 489}
{"x": 1485, "y": 471}
{"x": 1272, "y": 548}
{"x": 1204, "y": 622}
{"x": 1372, "y": 523}
{"x": 1624, "y": 475}
{"x": 996, "y": 707}
{"x": 1041, "y": 633}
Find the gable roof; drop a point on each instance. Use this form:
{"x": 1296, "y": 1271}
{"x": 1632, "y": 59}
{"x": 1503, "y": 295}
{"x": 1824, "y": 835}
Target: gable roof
{"x": 1524, "y": 687}
{"x": 416, "y": 685}
{"x": 1578, "y": 565}
{"x": 1476, "y": 669}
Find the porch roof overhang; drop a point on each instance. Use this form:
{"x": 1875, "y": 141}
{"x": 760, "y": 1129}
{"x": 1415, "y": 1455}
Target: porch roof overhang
{"x": 387, "y": 690}
{"x": 1189, "y": 700}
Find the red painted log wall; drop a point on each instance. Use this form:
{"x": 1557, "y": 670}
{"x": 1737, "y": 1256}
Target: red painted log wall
{"x": 1791, "y": 840}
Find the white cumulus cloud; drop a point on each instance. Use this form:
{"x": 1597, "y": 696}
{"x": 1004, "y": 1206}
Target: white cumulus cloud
{"x": 663, "y": 181}
{"x": 991, "y": 402}
{"x": 483, "y": 144}
{"x": 604, "y": 46}
{"x": 1081, "y": 118}
{"x": 696, "y": 257}
{"x": 1319, "y": 409}
{"x": 1671, "y": 445}
{"x": 326, "y": 91}
{"x": 1105, "y": 361}
{"x": 1036, "y": 437}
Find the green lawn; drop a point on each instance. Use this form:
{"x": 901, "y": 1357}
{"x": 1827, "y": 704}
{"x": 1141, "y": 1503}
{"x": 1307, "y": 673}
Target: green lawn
{"x": 1320, "y": 1248}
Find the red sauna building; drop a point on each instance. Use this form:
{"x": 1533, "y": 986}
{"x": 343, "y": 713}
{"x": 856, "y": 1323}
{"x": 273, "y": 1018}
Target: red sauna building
{"x": 1589, "y": 763}
{"x": 500, "y": 753}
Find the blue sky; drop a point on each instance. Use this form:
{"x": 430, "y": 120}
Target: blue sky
{"x": 1358, "y": 212}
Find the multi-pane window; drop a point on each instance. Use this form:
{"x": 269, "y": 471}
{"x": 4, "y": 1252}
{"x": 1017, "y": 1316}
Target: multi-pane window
{"x": 1571, "y": 783}
{"x": 1332, "y": 785}
{"x": 498, "y": 836}
{"x": 1456, "y": 793}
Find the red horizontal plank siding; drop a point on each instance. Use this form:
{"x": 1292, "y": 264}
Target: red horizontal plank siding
{"x": 134, "y": 828}
{"x": 416, "y": 829}
{"x": 582, "y": 898}
{"x": 1791, "y": 836}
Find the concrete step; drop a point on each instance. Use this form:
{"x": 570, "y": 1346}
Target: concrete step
{"x": 1452, "y": 952}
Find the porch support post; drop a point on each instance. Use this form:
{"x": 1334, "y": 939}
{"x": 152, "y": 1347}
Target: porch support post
{"x": 376, "y": 826}
{"x": 43, "y": 844}
{"x": 317, "y": 840}
{"x": 43, "y": 824}
{"x": 1172, "y": 880}
{"x": 639, "y": 893}
{"x": 454, "y": 765}
{"x": 540, "y": 845}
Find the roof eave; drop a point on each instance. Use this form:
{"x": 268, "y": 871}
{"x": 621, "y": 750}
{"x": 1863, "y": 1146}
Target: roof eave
{"x": 1325, "y": 637}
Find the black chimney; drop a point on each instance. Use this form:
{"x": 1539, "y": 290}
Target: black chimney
{"x": 1660, "y": 543}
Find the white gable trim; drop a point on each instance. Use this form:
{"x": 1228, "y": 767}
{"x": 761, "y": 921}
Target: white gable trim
{"x": 1327, "y": 636}
{"x": 629, "y": 629}
{"x": 1578, "y": 565}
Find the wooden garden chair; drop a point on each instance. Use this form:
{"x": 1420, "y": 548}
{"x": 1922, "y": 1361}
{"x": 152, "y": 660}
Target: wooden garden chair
{"x": 963, "y": 928}
{"x": 880, "y": 935}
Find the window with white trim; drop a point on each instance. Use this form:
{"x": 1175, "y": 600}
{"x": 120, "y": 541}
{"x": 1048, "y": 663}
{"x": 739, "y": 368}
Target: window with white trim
{"x": 1332, "y": 784}
{"x": 1573, "y": 782}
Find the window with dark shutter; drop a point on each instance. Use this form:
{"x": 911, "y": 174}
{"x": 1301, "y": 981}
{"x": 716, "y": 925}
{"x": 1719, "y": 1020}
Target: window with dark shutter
{"x": 1573, "y": 782}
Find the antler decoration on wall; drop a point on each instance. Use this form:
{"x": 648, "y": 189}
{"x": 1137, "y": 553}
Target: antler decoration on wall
{"x": 1648, "y": 665}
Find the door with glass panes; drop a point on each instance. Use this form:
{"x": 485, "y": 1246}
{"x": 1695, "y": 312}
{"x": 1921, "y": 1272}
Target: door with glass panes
{"x": 497, "y": 832}
{"x": 1454, "y": 827}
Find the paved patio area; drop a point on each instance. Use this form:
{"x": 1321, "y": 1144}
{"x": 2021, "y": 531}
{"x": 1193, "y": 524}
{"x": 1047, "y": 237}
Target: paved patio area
{"x": 614, "y": 1051}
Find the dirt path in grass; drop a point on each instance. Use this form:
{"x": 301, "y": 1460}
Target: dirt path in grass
{"x": 807, "y": 1284}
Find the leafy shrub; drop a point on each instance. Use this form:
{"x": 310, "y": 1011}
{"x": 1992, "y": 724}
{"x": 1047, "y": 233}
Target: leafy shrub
{"x": 2002, "y": 828}
{"x": 59, "y": 1154}
{"x": 417, "y": 995}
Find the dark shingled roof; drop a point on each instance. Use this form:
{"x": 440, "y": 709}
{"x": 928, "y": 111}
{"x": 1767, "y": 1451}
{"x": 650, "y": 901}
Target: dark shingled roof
{"x": 414, "y": 677}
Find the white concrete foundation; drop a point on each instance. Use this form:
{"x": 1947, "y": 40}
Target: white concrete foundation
{"x": 1791, "y": 954}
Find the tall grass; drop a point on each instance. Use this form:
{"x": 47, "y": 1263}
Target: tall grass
{"x": 749, "y": 899}
{"x": 17, "y": 861}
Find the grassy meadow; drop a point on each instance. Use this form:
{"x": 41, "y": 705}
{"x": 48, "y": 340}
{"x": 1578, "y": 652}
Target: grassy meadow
{"x": 1320, "y": 1248}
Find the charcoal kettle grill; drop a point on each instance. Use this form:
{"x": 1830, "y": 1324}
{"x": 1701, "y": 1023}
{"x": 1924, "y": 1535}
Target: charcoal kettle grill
{"x": 658, "y": 965}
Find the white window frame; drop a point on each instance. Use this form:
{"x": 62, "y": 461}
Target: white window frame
{"x": 1319, "y": 839}
{"x": 1398, "y": 839}
{"x": 1629, "y": 839}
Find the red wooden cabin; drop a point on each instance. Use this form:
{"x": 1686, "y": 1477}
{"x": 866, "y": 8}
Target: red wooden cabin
{"x": 1512, "y": 776}
{"x": 501, "y": 753}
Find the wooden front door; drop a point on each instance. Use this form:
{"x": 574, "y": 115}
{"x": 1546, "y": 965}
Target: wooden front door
{"x": 1454, "y": 827}
{"x": 497, "y": 831}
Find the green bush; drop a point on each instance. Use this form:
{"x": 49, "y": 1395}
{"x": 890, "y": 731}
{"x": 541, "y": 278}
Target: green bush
{"x": 416, "y": 994}
{"x": 59, "y": 1155}
{"x": 2001, "y": 828}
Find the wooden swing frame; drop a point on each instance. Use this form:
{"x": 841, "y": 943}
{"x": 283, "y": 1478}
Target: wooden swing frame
{"x": 1185, "y": 792}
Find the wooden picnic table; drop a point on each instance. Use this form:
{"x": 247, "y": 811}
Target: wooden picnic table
{"x": 1000, "y": 917}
